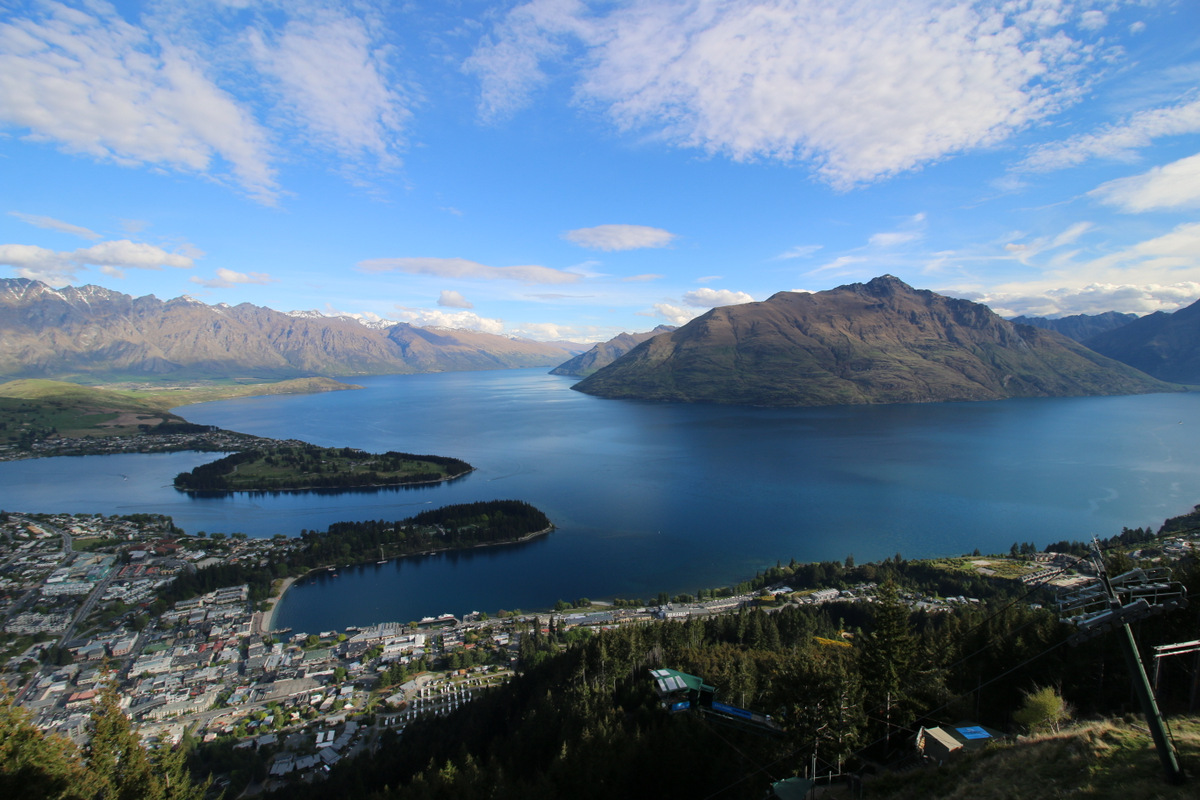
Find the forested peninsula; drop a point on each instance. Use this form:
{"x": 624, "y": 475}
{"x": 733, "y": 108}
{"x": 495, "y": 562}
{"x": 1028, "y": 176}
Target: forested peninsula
{"x": 452, "y": 527}
{"x": 297, "y": 466}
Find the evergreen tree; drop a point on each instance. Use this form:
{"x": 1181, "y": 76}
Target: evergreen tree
{"x": 886, "y": 658}
{"x": 36, "y": 764}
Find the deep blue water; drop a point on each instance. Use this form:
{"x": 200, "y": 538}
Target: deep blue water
{"x": 673, "y": 498}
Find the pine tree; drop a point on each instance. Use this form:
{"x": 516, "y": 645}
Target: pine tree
{"x": 887, "y": 658}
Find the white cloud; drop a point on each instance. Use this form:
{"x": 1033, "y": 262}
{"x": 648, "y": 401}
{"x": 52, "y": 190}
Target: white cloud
{"x": 644, "y": 278}
{"x": 38, "y": 263}
{"x": 98, "y": 86}
{"x": 859, "y": 90}
{"x": 711, "y": 298}
{"x": 619, "y": 237}
{"x": 124, "y": 253}
{"x": 546, "y": 331}
{"x": 468, "y": 320}
{"x": 1118, "y": 141}
{"x": 334, "y": 84}
{"x": 227, "y": 278}
{"x": 452, "y": 299}
{"x": 54, "y": 266}
{"x": 676, "y": 315}
{"x": 49, "y": 223}
{"x": 1093, "y": 20}
{"x": 1092, "y": 298}
{"x": 1172, "y": 186}
{"x": 467, "y": 270}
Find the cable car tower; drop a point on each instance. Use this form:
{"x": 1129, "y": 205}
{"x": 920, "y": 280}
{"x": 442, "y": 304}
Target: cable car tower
{"x": 1111, "y": 604}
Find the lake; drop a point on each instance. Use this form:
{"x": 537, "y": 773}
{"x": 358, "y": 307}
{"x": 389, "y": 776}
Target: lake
{"x": 650, "y": 497}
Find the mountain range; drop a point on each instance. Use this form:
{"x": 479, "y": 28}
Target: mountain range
{"x": 1165, "y": 345}
{"x": 604, "y": 353}
{"x": 878, "y": 342}
{"x": 93, "y": 333}
{"x": 1079, "y": 327}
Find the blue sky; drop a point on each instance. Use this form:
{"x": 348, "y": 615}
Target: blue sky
{"x": 570, "y": 169}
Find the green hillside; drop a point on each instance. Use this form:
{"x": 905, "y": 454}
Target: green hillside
{"x": 35, "y": 409}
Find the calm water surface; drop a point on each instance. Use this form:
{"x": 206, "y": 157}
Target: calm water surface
{"x": 673, "y": 498}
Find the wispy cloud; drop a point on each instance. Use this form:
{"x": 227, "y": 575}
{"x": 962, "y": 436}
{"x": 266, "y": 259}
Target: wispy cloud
{"x": 857, "y": 90}
{"x": 649, "y": 276}
{"x": 1178, "y": 249}
{"x": 99, "y": 86}
{"x": 799, "y": 251}
{"x": 228, "y": 278}
{"x": 1171, "y": 186}
{"x": 893, "y": 238}
{"x": 205, "y": 88}
{"x": 509, "y": 61}
{"x": 49, "y": 223}
{"x": 467, "y": 270}
{"x": 1118, "y": 141}
{"x": 333, "y": 82}
{"x": 620, "y": 237}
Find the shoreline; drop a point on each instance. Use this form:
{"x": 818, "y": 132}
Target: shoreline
{"x": 276, "y": 599}
{"x": 362, "y": 487}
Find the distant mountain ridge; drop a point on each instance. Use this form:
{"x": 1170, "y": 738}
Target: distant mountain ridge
{"x": 1079, "y": 327}
{"x": 879, "y": 342}
{"x": 604, "y": 353}
{"x": 96, "y": 332}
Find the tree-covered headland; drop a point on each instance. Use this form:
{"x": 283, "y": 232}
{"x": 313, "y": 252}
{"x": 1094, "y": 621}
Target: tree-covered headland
{"x": 451, "y": 527}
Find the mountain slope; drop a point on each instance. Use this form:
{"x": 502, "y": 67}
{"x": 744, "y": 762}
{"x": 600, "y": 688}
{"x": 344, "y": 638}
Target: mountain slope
{"x": 91, "y": 331}
{"x": 1164, "y": 345}
{"x": 880, "y": 342}
{"x": 604, "y": 353}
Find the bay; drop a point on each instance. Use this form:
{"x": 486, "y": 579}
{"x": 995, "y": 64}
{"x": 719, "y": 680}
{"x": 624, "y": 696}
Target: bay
{"x": 650, "y": 497}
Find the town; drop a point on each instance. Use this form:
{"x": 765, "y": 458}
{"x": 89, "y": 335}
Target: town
{"x": 83, "y": 605}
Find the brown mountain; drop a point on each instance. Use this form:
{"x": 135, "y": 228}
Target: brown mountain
{"x": 93, "y": 332}
{"x": 604, "y": 353}
{"x": 1164, "y": 345}
{"x": 879, "y": 342}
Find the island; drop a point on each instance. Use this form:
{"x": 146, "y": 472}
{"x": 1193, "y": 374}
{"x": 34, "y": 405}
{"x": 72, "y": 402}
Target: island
{"x": 291, "y": 466}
